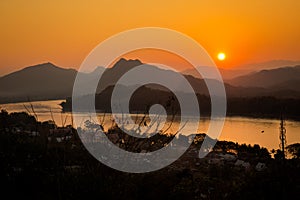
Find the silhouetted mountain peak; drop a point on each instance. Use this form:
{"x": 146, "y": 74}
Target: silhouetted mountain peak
{"x": 123, "y": 63}
{"x": 40, "y": 81}
{"x": 45, "y": 67}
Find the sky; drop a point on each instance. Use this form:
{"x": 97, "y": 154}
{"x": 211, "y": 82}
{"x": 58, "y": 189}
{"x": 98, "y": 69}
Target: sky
{"x": 64, "y": 32}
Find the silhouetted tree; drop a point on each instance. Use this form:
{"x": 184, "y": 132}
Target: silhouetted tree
{"x": 294, "y": 150}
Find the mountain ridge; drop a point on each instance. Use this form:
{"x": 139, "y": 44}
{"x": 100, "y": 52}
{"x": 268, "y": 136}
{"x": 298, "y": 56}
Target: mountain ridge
{"x": 48, "y": 81}
{"x": 270, "y": 64}
{"x": 268, "y": 78}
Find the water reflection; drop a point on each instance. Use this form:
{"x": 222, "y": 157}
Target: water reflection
{"x": 264, "y": 132}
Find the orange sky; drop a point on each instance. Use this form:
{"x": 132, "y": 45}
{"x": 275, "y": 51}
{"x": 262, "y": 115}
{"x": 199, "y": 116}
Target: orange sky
{"x": 65, "y": 32}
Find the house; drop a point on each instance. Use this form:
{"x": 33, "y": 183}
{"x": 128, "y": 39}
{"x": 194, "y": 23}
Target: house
{"x": 260, "y": 167}
{"x": 242, "y": 163}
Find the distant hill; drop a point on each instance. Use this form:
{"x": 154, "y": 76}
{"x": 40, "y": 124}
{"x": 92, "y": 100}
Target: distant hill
{"x": 226, "y": 73}
{"x": 37, "y": 82}
{"x": 287, "y": 85}
{"x": 283, "y": 78}
{"x": 40, "y": 82}
{"x": 271, "y": 64}
{"x": 47, "y": 81}
{"x": 111, "y": 76}
{"x": 144, "y": 97}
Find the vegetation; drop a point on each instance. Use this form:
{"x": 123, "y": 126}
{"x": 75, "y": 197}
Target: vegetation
{"x": 43, "y": 161}
{"x": 294, "y": 150}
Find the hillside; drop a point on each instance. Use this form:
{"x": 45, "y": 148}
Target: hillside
{"x": 37, "y": 82}
{"x": 281, "y": 78}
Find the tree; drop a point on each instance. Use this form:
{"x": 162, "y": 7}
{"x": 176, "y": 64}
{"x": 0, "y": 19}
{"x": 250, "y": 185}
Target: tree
{"x": 294, "y": 150}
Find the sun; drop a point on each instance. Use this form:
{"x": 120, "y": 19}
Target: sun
{"x": 221, "y": 56}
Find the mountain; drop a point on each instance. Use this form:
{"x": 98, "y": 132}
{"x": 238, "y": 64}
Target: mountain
{"x": 112, "y": 75}
{"x": 47, "y": 81}
{"x": 41, "y": 81}
{"x": 144, "y": 97}
{"x": 97, "y": 70}
{"x": 246, "y": 69}
{"x": 226, "y": 73}
{"x": 272, "y": 64}
{"x": 288, "y": 85}
{"x": 283, "y": 78}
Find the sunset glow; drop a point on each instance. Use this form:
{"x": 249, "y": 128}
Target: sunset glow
{"x": 156, "y": 99}
{"x": 53, "y": 31}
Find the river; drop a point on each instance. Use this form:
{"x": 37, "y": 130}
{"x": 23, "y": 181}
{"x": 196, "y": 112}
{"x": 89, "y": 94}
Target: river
{"x": 264, "y": 132}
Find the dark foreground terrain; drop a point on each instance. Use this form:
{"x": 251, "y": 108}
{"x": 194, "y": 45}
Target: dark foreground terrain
{"x": 43, "y": 161}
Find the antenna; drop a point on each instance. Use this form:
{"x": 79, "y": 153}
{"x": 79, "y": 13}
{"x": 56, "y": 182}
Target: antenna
{"x": 282, "y": 136}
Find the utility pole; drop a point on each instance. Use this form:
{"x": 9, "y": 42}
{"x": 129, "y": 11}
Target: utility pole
{"x": 282, "y": 136}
